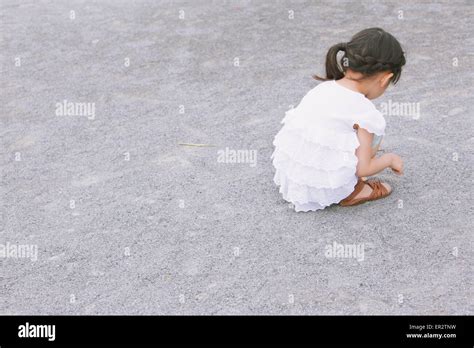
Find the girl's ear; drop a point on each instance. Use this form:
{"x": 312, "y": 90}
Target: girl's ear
{"x": 385, "y": 79}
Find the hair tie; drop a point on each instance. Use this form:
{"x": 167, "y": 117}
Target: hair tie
{"x": 343, "y": 46}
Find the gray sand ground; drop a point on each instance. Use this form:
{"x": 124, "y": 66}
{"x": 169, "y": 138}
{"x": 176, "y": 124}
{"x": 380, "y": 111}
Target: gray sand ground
{"x": 172, "y": 230}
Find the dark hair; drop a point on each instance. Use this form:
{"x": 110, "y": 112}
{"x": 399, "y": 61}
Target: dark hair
{"x": 370, "y": 51}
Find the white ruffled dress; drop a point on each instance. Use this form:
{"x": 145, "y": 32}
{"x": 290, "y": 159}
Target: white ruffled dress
{"x": 314, "y": 153}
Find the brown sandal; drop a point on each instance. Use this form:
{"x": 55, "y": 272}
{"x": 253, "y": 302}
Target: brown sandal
{"x": 378, "y": 191}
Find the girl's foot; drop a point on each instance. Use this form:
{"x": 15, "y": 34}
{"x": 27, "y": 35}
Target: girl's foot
{"x": 365, "y": 191}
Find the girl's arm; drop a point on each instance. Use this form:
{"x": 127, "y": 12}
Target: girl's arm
{"x": 369, "y": 165}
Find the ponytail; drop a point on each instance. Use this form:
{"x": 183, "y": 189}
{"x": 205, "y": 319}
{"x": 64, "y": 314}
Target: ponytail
{"x": 370, "y": 51}
{"x": 333, "y": 71}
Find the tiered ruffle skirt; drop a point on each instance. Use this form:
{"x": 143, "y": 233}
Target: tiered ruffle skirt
{"x": 315, "y": 167}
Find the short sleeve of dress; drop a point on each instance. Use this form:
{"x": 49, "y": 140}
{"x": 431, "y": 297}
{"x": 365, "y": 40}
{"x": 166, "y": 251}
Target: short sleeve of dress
{"x": 372, "y": 121}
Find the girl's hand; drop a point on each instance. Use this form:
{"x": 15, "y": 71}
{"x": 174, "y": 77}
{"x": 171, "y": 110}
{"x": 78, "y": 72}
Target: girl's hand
{"x": 396, "y": 164}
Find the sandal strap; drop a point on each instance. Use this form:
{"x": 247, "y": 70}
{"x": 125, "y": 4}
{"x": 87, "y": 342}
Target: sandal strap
{"x": 357, "y": 188}
{"x": 378, "y": 190}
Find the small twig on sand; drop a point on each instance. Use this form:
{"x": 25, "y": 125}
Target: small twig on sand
{"x": 196, "y": 145}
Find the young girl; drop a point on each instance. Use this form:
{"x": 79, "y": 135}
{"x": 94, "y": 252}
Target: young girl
{"x": 328, "y": 143}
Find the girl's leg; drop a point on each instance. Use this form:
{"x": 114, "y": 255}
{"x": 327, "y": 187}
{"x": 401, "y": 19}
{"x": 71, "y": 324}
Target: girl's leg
{"x": 367, "y": 190}
{"x": 375, "y": 148}
{"x": 376, "y": 144}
